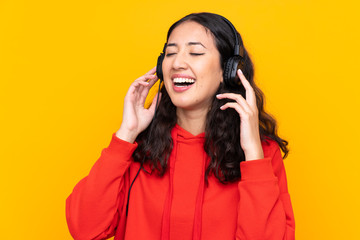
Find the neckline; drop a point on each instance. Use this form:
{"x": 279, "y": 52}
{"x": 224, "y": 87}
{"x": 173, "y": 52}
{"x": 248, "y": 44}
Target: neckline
{"x": 182, "y": 132}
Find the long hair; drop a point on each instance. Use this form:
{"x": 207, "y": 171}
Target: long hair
{"x": 222, "y": 129}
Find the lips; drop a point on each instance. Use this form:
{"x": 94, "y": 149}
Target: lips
{"x": 182, "y": 82}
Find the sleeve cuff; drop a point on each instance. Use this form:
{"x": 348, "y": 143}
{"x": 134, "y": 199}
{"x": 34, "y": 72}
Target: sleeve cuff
{"x": 256, "y": 169}
{"x": 118, "y": 146}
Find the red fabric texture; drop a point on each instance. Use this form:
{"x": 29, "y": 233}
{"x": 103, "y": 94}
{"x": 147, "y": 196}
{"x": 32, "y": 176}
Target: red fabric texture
{"x": 179, "y": 205}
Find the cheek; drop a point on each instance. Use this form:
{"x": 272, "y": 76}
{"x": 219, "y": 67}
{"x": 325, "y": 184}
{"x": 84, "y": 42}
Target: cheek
{"x": 214, "y": 68}
{"x": 165, "y": 66}
{"x": 168, "y": 85}
{"x": 165, "y": 70}
{"x": 218, "y": 70}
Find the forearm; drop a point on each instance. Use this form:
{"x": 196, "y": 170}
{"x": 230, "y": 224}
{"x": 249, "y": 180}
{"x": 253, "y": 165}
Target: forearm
{"x": 91, "y": 208}
{"x": 264, "y": 210}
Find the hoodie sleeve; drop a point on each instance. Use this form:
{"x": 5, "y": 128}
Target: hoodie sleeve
{"x": 265, "y": 210}
{"x": 92, "y": 209}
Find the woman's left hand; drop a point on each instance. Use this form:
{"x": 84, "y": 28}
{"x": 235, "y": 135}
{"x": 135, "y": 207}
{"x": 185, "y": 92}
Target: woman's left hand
{"x": 248, "y": 111}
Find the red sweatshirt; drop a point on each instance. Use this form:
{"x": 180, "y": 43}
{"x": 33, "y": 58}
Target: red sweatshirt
{"x": 179, "y": 205}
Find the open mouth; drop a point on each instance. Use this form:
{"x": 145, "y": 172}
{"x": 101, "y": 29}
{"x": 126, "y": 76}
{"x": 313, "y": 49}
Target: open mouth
{"x": 183, "y": 82}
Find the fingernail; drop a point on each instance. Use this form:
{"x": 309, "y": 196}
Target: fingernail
{"x": 218, "y": 95}
{"x": 239, "y": 70}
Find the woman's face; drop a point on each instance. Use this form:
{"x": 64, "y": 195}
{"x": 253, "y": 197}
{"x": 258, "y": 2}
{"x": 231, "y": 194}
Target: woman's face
{"x": 191, "y": 67}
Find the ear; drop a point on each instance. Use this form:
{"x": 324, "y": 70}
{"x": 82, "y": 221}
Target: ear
{"x": 221, "y": 76}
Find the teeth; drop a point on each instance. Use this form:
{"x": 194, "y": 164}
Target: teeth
{"x": 183, "y": 80}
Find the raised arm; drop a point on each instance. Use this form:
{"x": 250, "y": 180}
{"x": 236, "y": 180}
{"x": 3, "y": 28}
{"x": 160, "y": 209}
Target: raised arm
{"x": 265, "y": 210}
{"x": 94, "y": 208}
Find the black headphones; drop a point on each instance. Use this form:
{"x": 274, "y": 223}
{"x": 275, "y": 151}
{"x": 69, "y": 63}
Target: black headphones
{"x": 231, "y": 65}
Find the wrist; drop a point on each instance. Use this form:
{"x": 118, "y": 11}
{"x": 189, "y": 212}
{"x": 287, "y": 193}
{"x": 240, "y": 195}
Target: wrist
{"x": 254, "y": 153}
{"x": 126, "y": 135}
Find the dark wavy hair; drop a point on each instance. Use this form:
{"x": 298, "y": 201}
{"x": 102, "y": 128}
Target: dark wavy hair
{"x": 222, "y": 130}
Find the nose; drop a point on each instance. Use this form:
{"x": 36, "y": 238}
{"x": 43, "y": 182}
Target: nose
{"x": 180, "y": 61}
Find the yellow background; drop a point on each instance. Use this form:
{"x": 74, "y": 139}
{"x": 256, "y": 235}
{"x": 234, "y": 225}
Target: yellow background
{"x": 65, "y": 67}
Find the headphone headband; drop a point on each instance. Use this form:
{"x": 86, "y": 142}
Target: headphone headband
{"x": 238, "y": 51}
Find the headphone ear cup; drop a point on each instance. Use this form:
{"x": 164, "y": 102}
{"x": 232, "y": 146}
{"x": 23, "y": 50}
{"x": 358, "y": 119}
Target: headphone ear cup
{"x": 231, "y": 79}
{"x": 159, "y": 71}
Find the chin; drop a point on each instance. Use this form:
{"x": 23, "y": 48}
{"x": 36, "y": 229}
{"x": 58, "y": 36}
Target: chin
{"x": 180, "y": 103}
{"x": 189, "y": 104}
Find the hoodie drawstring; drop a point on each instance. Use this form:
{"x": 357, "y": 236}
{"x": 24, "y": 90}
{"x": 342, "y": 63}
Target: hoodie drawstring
{"x": 199, "y": 204}
{"x": 165, "y": 230}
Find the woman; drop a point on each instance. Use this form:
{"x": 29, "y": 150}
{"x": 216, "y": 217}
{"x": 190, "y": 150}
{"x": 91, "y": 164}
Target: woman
{"x": 205, "y": 165}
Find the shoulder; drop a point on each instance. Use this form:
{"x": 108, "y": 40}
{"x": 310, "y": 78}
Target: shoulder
{"x": 272, "y": 151}
{"x": 270, "y": 147}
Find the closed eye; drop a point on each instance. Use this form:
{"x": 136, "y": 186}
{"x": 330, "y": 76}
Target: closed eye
{"x": 193, "y": 54}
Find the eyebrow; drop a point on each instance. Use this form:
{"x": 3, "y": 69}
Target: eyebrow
{"x": 189, "y": 44}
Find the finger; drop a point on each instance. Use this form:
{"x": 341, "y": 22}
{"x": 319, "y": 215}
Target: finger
{"x": 250, "y": 94}
{"x": 235, "y": 106}
{"x": 145, "y": 78}
{"x": 152, "y": 80}
{"x": 135, "y": 86}
{"x": 138, "y": 94}
{"x": 243, "y": 79}
{"x": 146, "y": 90}
{"x": 236, "y": 97}
{"x": 152, "y": 71}
{"x": 143, "y": 81}
{"x": 138, "y": 84}
{"x": 143, "y": 95}
{"x": 140, "y": 87}
{"x": 135, "y": 89}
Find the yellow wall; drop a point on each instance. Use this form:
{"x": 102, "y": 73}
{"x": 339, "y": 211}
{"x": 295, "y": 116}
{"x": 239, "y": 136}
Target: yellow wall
{"x": 65, "y": 67}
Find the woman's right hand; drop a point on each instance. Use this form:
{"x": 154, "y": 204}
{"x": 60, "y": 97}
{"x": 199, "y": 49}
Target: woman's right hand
{"x": 136, "y": 118}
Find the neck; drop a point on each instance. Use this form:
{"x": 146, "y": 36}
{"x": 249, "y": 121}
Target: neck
{"x": 192, "y": 121}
